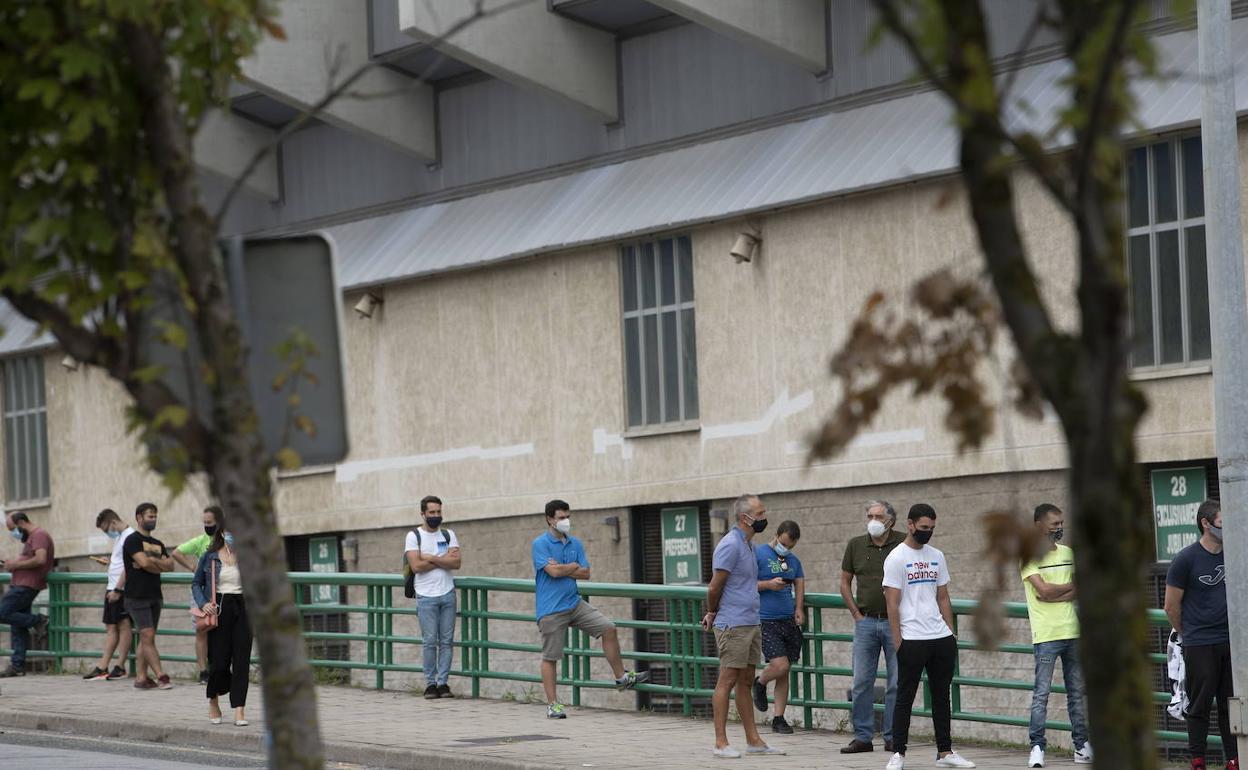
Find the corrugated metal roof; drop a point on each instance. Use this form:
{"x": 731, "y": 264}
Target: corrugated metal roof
{"x": 20, "y": 333}
{"x": 842, "y": 152}
{"x": 838, "y": 153}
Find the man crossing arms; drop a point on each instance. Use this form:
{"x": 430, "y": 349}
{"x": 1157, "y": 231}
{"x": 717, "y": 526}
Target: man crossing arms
{"x": 1049, "y": 583}
{"x": 432, "y": 553}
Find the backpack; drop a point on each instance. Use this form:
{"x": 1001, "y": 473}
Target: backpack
{"x": 409, "y": 577}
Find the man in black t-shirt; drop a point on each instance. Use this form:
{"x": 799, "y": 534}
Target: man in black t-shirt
{"x": 145, "y": 558}
{"x": 1196, "y": 606}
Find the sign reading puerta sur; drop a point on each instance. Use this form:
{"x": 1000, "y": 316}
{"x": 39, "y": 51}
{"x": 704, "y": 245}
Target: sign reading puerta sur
{"x": 1177, "y": 493}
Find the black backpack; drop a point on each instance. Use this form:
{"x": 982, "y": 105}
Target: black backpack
{"x": 409, "y": 577}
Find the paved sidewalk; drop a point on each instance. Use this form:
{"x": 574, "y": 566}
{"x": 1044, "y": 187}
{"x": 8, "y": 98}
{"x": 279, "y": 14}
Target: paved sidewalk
{"x": 400, "y": 730}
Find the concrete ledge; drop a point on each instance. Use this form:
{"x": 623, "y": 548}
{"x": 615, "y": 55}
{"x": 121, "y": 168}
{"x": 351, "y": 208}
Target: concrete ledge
{"x": 228, "y": 738}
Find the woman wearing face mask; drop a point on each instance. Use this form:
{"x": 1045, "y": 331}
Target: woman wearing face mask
{"x": 229, "y": 644}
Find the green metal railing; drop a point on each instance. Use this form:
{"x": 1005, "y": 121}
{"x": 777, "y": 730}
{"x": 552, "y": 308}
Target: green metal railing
{"x": 808, "y": 679}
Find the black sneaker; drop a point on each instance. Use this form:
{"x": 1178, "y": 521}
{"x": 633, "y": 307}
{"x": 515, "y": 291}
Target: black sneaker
{"x": 39, "y": 632}
{"x": 431, "y": 692}
{"x": 444, "y": 691}
{"x": 10, "y": 672}
{"x": 96, "y": 673}
{"x": 203, "y": 676}
{"x": 779, "y": 725}
{"x": 117, "y": 673}
{"x": 760, "y": 695}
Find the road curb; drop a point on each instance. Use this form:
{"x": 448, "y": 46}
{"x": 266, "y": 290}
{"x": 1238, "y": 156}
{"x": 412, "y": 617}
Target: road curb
{"x": 231, "y": 738}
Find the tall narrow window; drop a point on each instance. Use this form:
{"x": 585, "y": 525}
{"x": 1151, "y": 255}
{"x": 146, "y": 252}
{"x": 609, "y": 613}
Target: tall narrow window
{"x": 660, "y": 350}
{"x": 25, "y": 430}
{"x": 1169, "y": 289}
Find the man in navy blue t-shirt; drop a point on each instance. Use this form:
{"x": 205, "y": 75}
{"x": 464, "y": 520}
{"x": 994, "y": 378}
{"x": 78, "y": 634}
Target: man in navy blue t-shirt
{"x": 1196, "y": 606}
{"x": 558, "y": 562}
{"x": 781, "y": 611}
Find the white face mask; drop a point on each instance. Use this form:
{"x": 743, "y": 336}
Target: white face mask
{"x": 564, "y": 525}
{"x": 876, "y": 528}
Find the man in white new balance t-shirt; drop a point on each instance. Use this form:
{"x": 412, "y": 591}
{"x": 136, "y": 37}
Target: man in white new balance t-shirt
{"x": 916, "y": 590}
{"x": 432, "y": 553}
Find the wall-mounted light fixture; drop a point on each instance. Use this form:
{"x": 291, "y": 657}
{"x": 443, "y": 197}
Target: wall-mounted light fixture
{"x": 367, "y": 305}
{"x": 351, "y": 551}
{"x": 745, "y": 247}
{"x": 70, "y": 363}
{"x": 613, "y": 521}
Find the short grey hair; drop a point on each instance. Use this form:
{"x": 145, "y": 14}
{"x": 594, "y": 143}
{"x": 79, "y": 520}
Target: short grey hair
{"x": 887, "y": 506}
{"x": 742, "y": 506}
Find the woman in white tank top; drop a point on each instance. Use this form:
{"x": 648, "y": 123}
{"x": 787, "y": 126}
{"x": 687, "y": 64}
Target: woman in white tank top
{"x": 218, "y": 589}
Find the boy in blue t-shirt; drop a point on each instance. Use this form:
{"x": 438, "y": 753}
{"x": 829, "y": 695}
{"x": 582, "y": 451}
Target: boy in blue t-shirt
{"x": 782, "y": 591}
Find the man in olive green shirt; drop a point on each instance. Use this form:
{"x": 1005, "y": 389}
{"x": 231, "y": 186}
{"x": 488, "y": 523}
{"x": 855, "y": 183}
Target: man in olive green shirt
{"x": 864, "y": 562}
{"x": 188, "y": 555}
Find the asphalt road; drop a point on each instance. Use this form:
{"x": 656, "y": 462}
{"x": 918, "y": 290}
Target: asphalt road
{"x": 42, "y": 750}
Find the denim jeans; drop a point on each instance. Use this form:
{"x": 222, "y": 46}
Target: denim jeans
{"x": 437, "y": 633}
{"x": 872, "y": 636}
{"x": 1047, "y": 655}
{"x": 15, "y": 610}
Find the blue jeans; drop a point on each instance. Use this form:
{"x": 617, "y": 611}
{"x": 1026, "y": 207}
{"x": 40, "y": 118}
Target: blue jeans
{"x": 437, "y": 633}
{"x": 1047, "y": 654}
{"x": 871, "y": 636}
{"x": 15, "y": 610}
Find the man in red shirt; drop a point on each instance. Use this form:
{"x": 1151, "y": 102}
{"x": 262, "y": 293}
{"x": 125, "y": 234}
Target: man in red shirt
{"x": 30, "y": 576}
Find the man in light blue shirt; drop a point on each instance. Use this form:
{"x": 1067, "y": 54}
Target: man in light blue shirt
{"x": 558, "y": 562}
{"x": 732, "y": 610}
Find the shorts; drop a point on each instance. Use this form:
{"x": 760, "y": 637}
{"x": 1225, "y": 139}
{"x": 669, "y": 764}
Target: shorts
{"x": 583, "y": 616}
{"x": 144, "y": 613}
{"x": 739, "y": 646}
{"x": 115, "y": 612}
{"x": 782, "y": 639}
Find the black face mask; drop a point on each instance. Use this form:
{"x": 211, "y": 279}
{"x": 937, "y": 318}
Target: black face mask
{"x": 759, "y": 525}
{"x": 210, "y": 530}
{"x": 922, "y": 536}
{"x": 1056, "y": 535}
{"x": 433, "y": 521}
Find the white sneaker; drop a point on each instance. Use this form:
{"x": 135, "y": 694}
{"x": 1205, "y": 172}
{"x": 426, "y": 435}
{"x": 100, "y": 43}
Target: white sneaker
{"x": 898, "y": 762}
{"x": 1037, "y": 757}
{"x": 952, "y": 759}
{"x": 1084, "y": 755}
{"x": 726, "y": 752}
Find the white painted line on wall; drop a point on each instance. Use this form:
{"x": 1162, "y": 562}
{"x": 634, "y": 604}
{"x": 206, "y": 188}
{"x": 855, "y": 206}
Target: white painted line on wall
{"x": 782, "y": 407}
{"x": 878, "y": 438}
{"x": 351, "y": 471}
{"x": 604, "y": 440}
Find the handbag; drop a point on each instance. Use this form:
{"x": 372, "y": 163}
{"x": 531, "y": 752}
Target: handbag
{"x": 206, "y": 621}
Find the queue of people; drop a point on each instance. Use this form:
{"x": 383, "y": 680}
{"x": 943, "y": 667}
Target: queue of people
{"x": 894, "y": 583}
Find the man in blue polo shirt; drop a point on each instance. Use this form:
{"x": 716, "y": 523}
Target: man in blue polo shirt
{"x": 558, "y": 562}
{"x": 732, "y": 611}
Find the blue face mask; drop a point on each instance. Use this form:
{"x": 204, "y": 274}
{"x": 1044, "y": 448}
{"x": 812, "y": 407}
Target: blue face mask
{"x": 228, "y": 537}
{"x": 16, "y": 533}
{"x": 112, "y": 535}
{"x": 781, "y": 550}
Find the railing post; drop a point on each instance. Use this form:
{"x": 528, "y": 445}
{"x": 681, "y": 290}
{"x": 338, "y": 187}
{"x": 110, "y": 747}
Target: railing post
{"x": 817, "y": 625}
{"x": 693, "y": 647}
{"x": 387, "y": 596}
{"x": 955, "y": 697}
{"x": 371, "y": 644}
{"x": 58, "y": 611}
{"x": 805, "y": 691}
{"x": 483, "y": 634}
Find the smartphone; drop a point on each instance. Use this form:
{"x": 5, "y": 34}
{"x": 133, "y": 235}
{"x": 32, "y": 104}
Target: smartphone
{"x": 787, "y": 580}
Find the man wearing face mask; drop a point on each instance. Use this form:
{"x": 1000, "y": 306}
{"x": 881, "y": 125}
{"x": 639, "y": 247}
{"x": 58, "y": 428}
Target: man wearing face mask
{"x": 116, "y": 621}
{"x": 188, "y": 555}
{"x": 864, "y": 562}
{"x": 920, "y": 616}
{"x": 782, "y": 612}
{"x": 146, "y": 559}
{"x": 558, "y": 562}
{"x": 1049, "y": 583}
{"x": 432, "y": 554}
{"x": 732, "y": 604}
{"x": 30, "y": 576}
{"x": 1196, "y": 606}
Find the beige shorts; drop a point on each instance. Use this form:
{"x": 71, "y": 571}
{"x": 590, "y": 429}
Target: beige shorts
{"x": 554, "y": 627}
{"x": 739, "y": 646}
